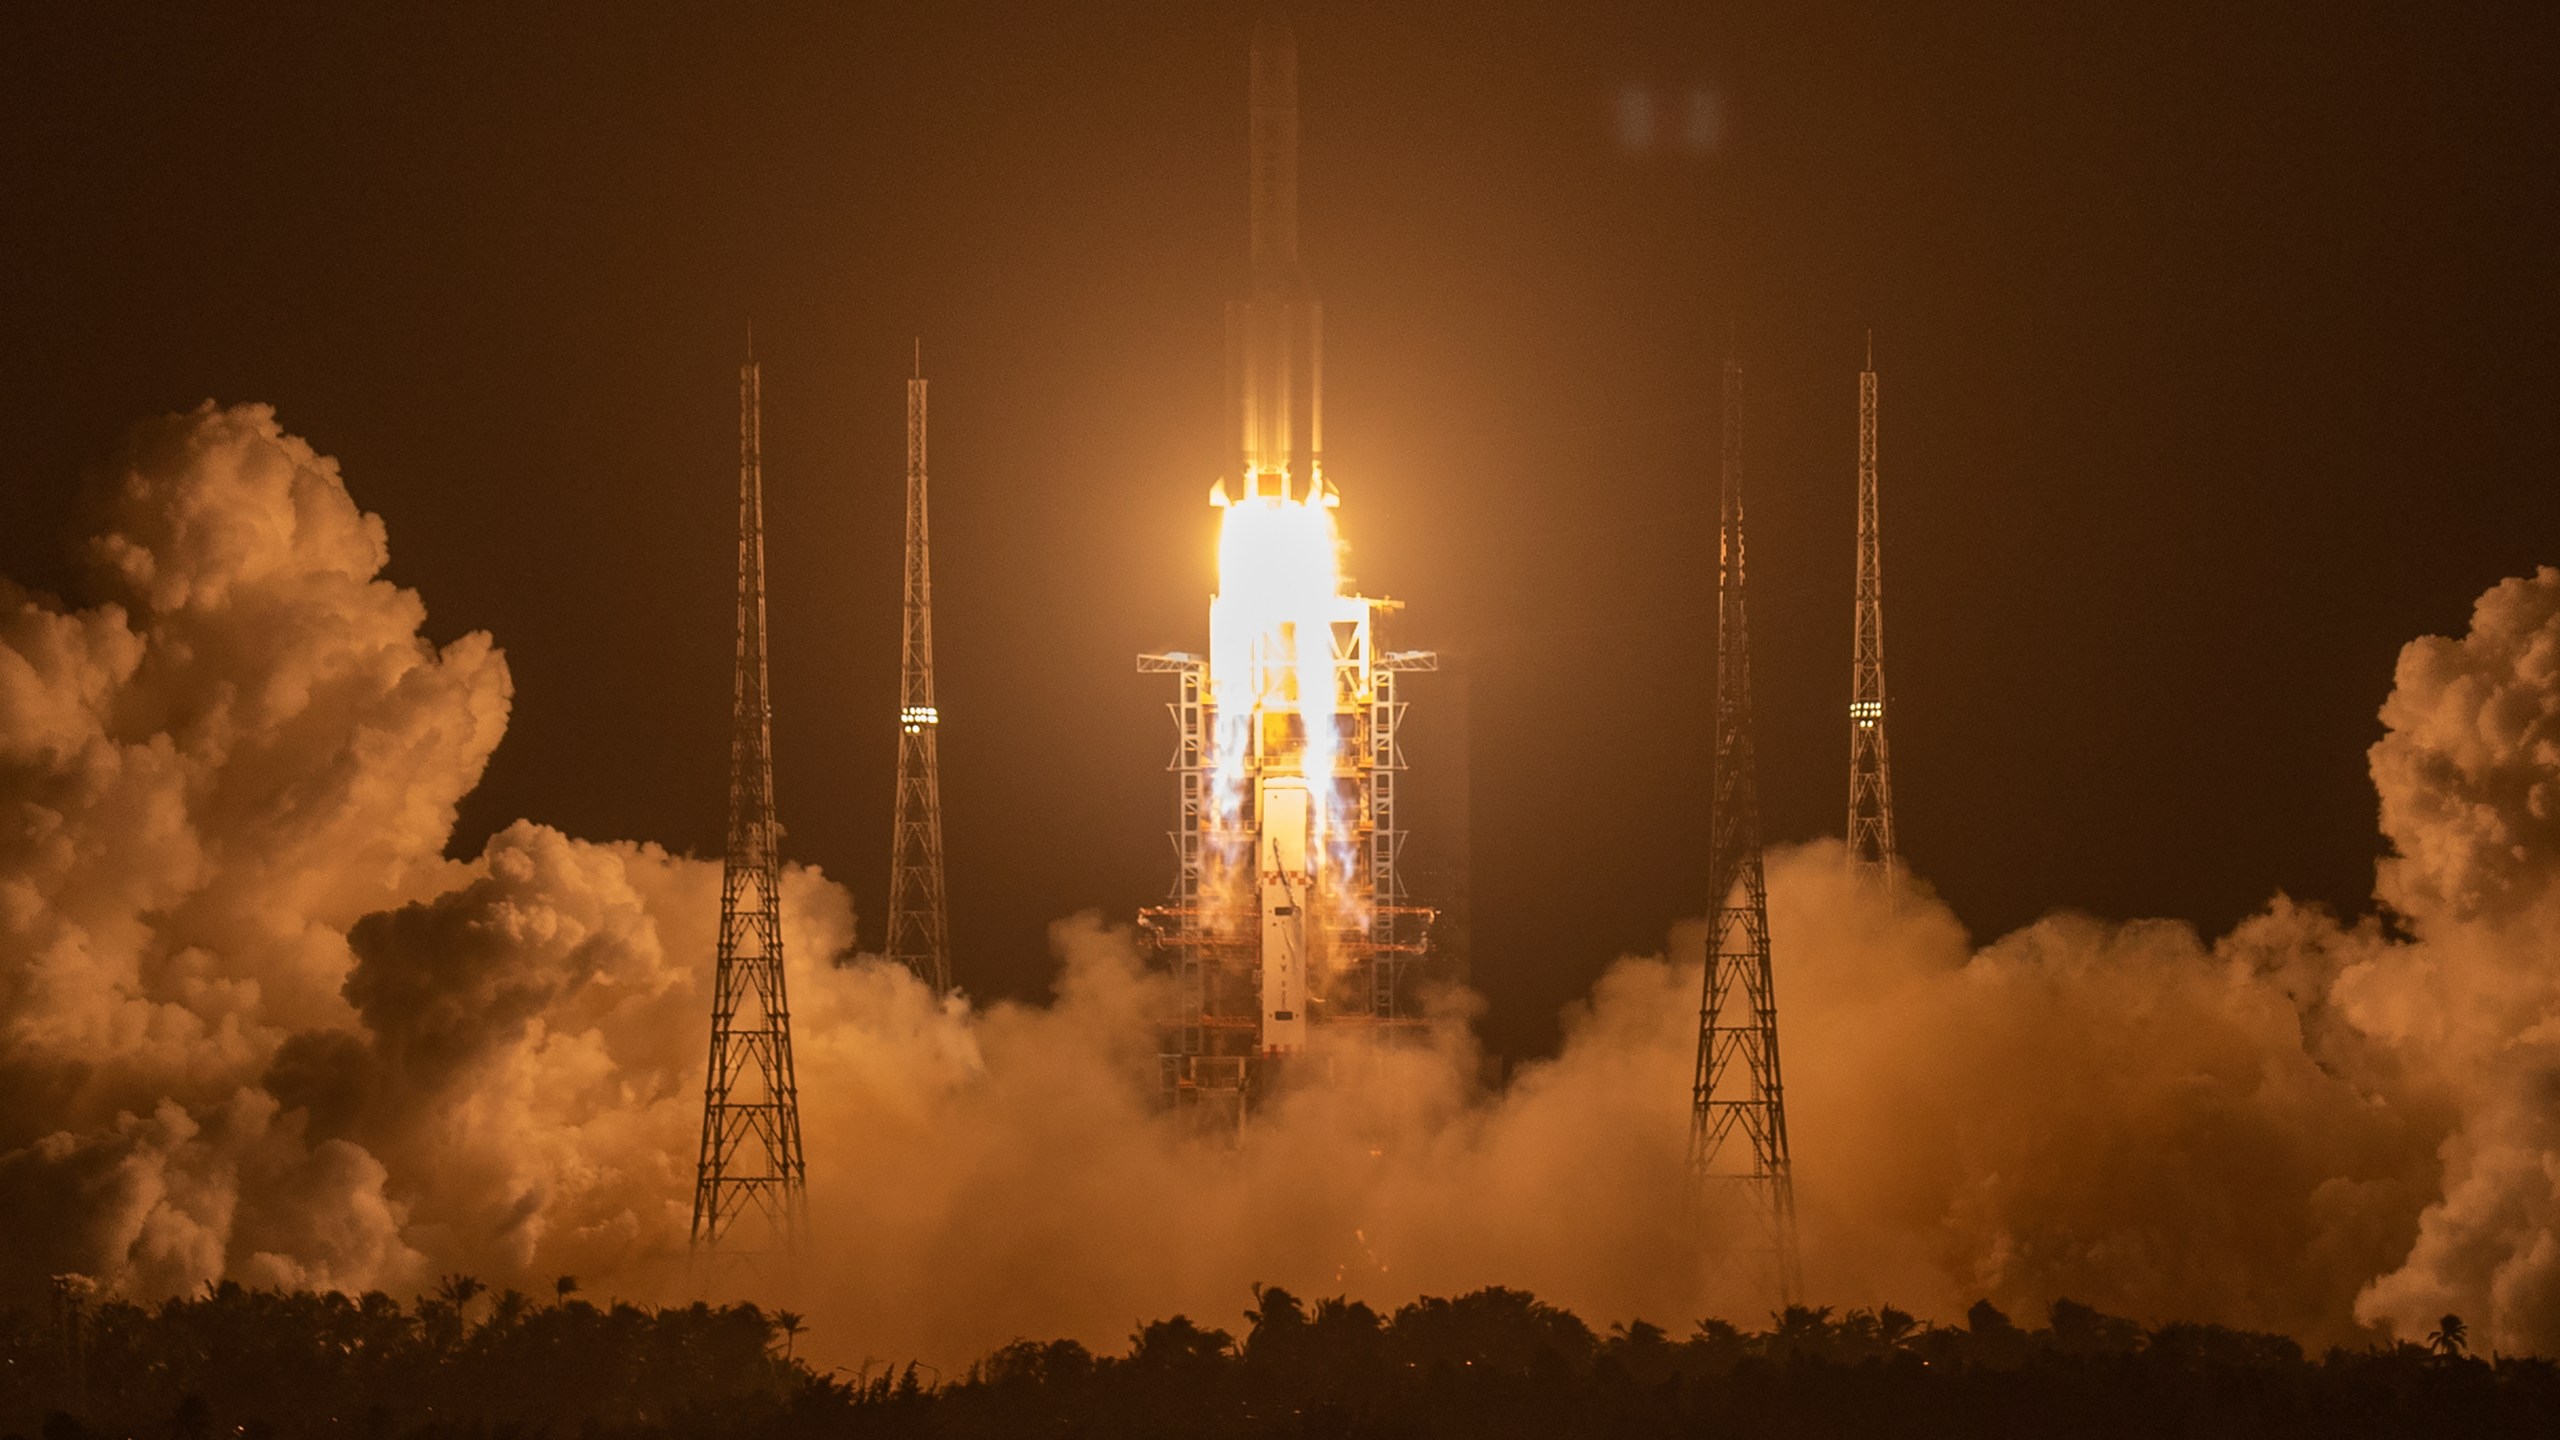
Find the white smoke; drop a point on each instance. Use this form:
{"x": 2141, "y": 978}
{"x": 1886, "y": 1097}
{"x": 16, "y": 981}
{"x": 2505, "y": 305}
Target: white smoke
{"x": 2469, "y": 774}
{"x": 252, "y": 1024}
{"x": 208, "y": 776}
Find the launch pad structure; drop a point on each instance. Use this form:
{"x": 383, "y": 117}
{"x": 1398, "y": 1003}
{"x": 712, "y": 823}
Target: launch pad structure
{"x": 751, "y": 1161}
{"x": 1265, "y": 937}
{"x": 1870, "y": 831}
{"x": 1738, "y": 1147}
{"x": 1287, "y": 915}
{"x": 918, "y": 935}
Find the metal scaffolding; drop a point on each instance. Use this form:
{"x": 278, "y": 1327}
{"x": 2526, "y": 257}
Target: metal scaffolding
{"x": 1397, "y": 931}
{"x": 1870, "y": 768}
{"x": 751, "y": 1158}
{"x": 919, "y": 934}
{"x": 1369, "y": 943}
{"x": 1737, "y": 1084}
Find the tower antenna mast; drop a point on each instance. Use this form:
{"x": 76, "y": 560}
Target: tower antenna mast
{"x": 1870, "y": 759}
{"x": 919, "y": 921}
{"x": 751, "y": 1156}
{"x": 1737, "y": 1086}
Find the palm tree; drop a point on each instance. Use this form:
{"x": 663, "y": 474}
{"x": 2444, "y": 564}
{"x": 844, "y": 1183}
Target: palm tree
{"x": 790, "y": 1324}
{"x": 507, "y": 1311}
{"x": 1801, "y": 1330}
{"x": 2450, "y": 1337}
{"x": 459, "y": 1291}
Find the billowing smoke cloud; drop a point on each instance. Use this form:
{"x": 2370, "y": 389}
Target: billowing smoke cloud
{"x": 254, "y": 1024}
{"x": 207, "y": 778}
{"x": 2469, "y": 774}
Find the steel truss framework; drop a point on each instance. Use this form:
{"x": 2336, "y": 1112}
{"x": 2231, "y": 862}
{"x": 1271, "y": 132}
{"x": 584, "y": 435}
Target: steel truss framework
{"x": 1870, "y": 829}
{"x": 1738, "y": 1085}
{"x": 919, "y": 933}
{"x": 751, "y": 1157}
{"x": 1205, "y": 934}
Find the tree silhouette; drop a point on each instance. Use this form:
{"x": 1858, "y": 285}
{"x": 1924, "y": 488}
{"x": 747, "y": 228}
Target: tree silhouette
{"x": 1280, "y": 1333}
{"x": 1496, "y": 1331}
{"x": 2082, "y": 1330}
{"x": 459, "y": 1291}
{"x": 508, "y": 1311}
{"x": 1642, "y": 1351}
{"x": 1178, "y": 1345}
{"x": 240, "y": 1363}
{"x": 1799, "y": 1332}
{"x": 232, "y": 1363}
{"x": 1864, "y": 1334}
{"x": 1034, "y": 1365}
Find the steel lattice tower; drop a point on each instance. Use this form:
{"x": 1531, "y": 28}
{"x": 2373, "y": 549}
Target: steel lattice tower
{"x": 919, "y": 924}
{"x": 1737, "y": 1084}
{"x": 1870, "y": 768}
{"x": 751, "y": 1100}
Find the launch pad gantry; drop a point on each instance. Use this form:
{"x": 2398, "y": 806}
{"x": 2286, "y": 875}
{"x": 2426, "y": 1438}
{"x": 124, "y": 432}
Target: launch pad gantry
{"x": 1287, "y": 916}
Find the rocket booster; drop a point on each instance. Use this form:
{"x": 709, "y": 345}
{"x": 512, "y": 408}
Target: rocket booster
{"x": 1275, "y": 335}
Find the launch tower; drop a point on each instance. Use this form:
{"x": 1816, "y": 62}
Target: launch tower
{"x": 919, "y": 924}
{"x": 1870, "y": 767}
{"x": 751, "y": 1101}
{"x": 1287, "y": 915}
{"x": 1737, "y": 1086}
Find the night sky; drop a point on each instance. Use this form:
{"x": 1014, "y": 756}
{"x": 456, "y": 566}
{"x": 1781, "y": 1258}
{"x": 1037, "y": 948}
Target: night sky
{"x": 2217, "y": 354}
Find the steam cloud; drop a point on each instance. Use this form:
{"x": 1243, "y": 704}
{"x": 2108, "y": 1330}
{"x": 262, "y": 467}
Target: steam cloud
{"x": 254, "y": 1024}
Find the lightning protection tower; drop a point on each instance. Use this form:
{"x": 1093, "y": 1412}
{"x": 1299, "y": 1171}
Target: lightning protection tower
{"x": 919, "y": 923}
{"x": 1870, "y": 769}
{"x": 751, "y": 1157}
{"x": 1737, "y": 1087}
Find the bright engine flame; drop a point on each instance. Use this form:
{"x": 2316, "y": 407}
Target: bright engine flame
{"x": 1270, "y": 638}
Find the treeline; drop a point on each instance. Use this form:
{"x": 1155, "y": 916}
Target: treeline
{"x": 1495, "y": 1363}
{"x": 241, "y": 1364}
{"x": 1500, "y": 1363}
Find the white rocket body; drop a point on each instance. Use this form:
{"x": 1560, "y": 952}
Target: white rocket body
{"x": 1287, "y": 887}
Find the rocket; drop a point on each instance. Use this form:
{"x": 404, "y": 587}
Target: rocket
{"x": 1275, "y": 362}
{"x": 1276, "y": 378}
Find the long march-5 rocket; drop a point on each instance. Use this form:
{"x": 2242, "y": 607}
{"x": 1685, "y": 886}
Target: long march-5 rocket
{"x": 1275, "y": 361}
{"x": 1286, "y": 914}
